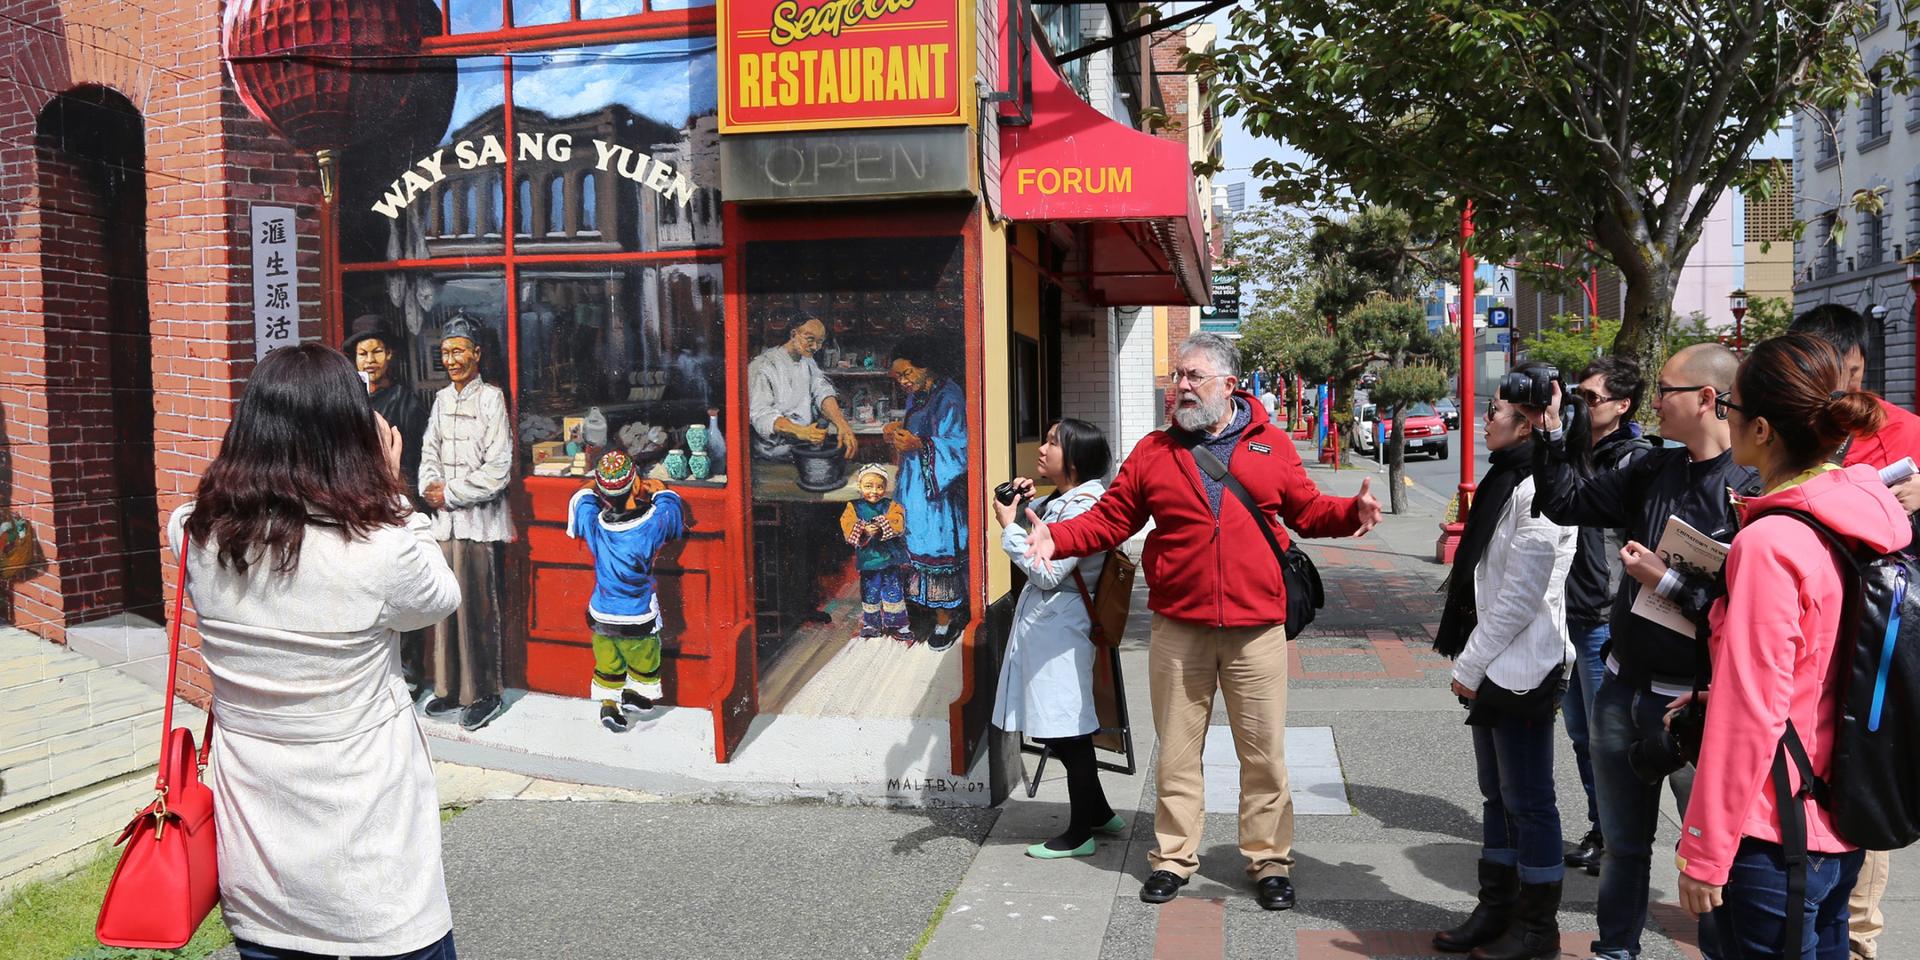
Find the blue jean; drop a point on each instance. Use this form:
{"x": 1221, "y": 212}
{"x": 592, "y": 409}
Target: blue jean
{"x": 442, "y": 950}
{"x": 1752, "y": 915}
{"x": 1588, "y": 667}
{"x": 1629, "y": 809}
{"x": 1521, "y": 825}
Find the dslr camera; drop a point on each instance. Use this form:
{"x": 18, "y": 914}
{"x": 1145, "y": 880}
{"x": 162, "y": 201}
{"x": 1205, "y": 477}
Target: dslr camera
{"x": 1672, "y": 747}
{"x": 1530, "y": 386}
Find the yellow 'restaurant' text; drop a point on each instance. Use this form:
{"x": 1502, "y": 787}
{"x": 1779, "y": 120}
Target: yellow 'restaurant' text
{"x": 787, "y": 78}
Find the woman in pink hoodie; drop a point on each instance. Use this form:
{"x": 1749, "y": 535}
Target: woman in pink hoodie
{"x": 1774, "y": 639}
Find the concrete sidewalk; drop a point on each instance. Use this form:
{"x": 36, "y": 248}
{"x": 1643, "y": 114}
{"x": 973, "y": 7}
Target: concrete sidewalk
{"x": 1387, "y": 833}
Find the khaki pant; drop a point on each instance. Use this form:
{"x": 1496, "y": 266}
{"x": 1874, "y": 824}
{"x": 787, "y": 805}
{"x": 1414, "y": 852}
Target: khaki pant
{"x": 466, "y": 646}
{"x": 1863, "y": 929}
{"x": 1186, "y": 663}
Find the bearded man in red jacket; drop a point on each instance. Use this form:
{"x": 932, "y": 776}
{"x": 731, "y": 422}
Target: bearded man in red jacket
{"x": 1219, "y": 604}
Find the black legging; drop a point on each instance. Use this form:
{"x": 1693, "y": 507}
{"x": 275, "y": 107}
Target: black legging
{"x": 1088, "y": 801}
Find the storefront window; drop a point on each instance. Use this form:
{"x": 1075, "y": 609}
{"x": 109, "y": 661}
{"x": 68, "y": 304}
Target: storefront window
{"x": 422, "y": 193}
{"x": 642, "y": 119}
{"x": 413, "y": 304}
{"x": 630, "y": 354}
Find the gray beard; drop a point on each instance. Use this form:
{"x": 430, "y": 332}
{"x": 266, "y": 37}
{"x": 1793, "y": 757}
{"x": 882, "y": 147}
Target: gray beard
{"x": 1201, "y": 417}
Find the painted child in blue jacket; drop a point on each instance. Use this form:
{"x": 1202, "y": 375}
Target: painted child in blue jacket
{"x": 624, "y": 521}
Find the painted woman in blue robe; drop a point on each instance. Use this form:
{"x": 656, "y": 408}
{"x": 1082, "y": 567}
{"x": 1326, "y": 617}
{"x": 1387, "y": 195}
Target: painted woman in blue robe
{"x": 931, "y": 443}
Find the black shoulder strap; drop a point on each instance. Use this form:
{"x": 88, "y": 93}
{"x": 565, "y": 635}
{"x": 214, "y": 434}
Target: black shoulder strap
{"x": 1219, "y": 472}
{"x": 1791, "y": 805}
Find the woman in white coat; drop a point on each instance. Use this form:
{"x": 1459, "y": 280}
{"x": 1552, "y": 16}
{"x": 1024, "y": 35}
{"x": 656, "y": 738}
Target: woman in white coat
{"x": 1046, "y": 679}
{"x": 1505, "y": 626}
{"x": 305, "y": 563}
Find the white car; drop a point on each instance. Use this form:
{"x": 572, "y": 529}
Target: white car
{"x": 1363, "y": 430}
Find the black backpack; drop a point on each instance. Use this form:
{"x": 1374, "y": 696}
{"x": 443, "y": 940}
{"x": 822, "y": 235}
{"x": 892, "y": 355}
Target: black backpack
{"x": 1872, "y": 788}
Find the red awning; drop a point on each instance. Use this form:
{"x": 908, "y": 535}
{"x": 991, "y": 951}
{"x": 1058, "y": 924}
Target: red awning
{"x": 1132, "y": 191}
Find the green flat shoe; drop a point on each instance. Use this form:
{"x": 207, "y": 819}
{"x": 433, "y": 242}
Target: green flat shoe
{"x": 1040, "y": 851}
{"x": 1117, "y": 825}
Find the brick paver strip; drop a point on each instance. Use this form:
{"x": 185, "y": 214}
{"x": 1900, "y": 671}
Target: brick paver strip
{"x": 1371, "y": 944}
{"x": 1191, "y": 928}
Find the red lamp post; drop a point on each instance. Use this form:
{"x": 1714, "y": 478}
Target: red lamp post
{"x": 1450, "y": 532}
{"x": 1737, "y": 302}
{"x": 326, "y": 75}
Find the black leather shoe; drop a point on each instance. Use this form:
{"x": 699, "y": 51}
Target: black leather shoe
{"x": 1588, "y": 854}
{"x": 1275, "y": 893}
{"x": 1161, "y": 886}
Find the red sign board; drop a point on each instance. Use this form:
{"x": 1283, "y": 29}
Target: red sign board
{"x": 831, "y": 64}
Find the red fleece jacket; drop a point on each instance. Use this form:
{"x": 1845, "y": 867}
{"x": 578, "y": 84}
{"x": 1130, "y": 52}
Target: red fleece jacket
{"x": 1201, "y": 568}
{"x": 1898, "y": 437}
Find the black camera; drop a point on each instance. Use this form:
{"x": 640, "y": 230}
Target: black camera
{"x": 1672, "y": 747}
{"x": 1530, "y": 387}
{"x": 1006, "y": 494}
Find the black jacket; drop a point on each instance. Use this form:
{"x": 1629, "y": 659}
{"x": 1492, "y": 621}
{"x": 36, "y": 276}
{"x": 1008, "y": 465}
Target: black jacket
{"x": 1594, "y": 580}
{"x": 407, "y": 410}
{"x": 1638, "y": 499}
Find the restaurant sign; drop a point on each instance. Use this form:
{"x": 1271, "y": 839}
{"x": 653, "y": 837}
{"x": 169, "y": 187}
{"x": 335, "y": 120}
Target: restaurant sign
{"x": 822, "y": 64}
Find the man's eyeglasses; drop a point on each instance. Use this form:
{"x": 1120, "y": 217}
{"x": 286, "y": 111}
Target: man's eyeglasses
{"x": 1195, "y": 377}
{"x": 1590, "y": 398}
{"x": 1722, "y": 403}
{"x": 1663, "y": 389}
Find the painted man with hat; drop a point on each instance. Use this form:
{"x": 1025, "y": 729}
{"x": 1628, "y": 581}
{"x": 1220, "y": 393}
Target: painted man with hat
{"x": 466, "y": 458}
{"x": 376, "y": 351}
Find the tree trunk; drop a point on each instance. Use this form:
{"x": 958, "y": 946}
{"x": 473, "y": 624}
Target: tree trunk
{"x": 1396, "y": 459}
{"x": 1647, "y": 318}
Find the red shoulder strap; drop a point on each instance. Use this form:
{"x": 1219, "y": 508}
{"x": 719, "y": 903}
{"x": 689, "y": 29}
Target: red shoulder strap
{"x": 173, "y": 677}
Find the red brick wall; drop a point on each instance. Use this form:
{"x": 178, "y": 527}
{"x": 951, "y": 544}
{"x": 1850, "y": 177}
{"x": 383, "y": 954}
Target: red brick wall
{"x": 207, "y": 160}
{"x": 1168, "y": 46}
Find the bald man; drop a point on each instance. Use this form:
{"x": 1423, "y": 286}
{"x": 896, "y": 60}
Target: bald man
{"x": 1648, "y": 665}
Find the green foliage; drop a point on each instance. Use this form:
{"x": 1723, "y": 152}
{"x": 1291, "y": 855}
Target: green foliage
{"x": 1767, "y": 317}
{"x": 1618, "y": 123}
{"x": 1318, "y": 359}
{"x": 1568, "y": 349}
{"x": 1403, "y": 386}
{"x": 53, "y": 920}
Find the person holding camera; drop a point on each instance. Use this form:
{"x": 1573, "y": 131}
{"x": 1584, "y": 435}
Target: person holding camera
{"x": 1505, "y": 628}
{"x": 1609, "y": 393}
{"x": 1046, "y": 677}
{"x": 1647, "y": 664}
{"x": 1775, "y": 637}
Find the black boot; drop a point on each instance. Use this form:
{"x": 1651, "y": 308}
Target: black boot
{"x": 1535, "y": 931}
{"x": 1499, "y": 885}
{"x": 1587, "y": 855}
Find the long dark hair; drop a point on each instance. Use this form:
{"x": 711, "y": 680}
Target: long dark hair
{"x": 1795, "y": 382}
{"x": 302, "y": 448}
{"x": 1084, "y": 448}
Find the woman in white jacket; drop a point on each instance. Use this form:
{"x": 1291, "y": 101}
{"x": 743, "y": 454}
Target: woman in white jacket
{"x": 305, "y": 563}
{"x": 1505, "y": 627}
{"x": 1046, "y": 678}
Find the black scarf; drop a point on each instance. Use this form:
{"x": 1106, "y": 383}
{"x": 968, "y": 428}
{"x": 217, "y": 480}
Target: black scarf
{"x": 1457, "y": 620}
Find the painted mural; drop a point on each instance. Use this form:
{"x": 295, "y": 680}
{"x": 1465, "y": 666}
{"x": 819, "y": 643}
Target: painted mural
{"x": 859, "y": 447}
{"x": 566, "y": 518}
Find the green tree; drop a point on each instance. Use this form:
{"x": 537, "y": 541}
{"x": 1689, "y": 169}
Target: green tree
{"x": 1619, "y": 122}
{"x": 1398, "y": 389}
{"x": 1569, "y": 349}
{"x": 1395, "y": 332}
{"x": 1767, "y": 317}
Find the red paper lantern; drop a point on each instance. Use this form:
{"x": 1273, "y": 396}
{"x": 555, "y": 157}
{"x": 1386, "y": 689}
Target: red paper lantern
{"x": 327, "y": 74}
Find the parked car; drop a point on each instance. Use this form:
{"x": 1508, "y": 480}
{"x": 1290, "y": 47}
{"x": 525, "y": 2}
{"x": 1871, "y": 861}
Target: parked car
{"x": 1449, "y": 412}
{"x": 1426, "y": 430}
{"x": 1362, "y": 431}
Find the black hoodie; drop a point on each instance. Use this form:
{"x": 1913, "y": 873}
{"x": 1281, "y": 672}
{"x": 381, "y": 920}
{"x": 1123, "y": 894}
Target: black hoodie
{"x": 1594, "y": 580}
{"x": 1638, "y": 499}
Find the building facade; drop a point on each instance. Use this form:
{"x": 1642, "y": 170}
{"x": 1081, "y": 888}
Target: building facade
{"x": 643, "y": 207}
{"x": 1854, "y": 257}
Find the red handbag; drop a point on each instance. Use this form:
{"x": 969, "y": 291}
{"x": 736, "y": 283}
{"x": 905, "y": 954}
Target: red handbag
{"x": 168, "y": 878}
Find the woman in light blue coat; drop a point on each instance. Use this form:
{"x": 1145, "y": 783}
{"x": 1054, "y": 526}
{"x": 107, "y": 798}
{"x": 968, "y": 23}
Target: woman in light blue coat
{"x": 1046, "y": 679}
